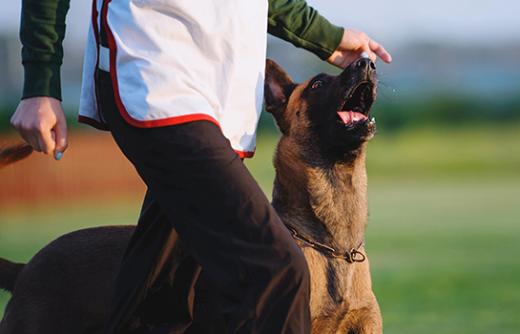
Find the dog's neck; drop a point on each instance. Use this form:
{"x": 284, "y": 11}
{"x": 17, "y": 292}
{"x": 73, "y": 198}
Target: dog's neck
{"x": 326, "y": 202}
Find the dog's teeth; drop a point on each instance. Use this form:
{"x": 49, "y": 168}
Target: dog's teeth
{"x": 373, "y": 120}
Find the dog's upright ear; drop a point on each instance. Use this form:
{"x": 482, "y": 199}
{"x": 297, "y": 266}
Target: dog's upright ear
{"x": 277, "y": 89}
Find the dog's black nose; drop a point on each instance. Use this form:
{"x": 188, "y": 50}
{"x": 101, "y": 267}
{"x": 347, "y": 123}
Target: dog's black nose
{"x": 360, "y": 69}
{"x": 365, "y": 63}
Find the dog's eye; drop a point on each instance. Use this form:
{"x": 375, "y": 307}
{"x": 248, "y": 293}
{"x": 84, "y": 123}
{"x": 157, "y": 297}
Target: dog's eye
{"x": 317, "y": 84}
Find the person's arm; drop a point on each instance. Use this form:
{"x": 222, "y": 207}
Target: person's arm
{"x": 42, "y": 30}
{"x": 39, "y": 117}
{"x": 302, "y": 25}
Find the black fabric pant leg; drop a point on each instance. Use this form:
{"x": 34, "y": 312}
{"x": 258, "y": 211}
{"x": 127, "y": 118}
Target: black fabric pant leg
{"x": 155, "y": 267}
{"x": 222, "y": 217}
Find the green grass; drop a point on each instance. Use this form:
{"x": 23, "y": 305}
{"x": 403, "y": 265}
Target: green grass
{"x": 444, "y": 256}
{"x": 443, "y": 235}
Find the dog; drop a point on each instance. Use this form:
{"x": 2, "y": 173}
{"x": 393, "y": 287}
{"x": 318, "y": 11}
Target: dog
{"x": 320, "y": 193}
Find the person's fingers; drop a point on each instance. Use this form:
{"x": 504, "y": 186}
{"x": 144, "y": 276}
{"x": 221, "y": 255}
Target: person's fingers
{"x": 41, "y": 145}
{"x": 27, "y": 133}
{"x": 42, "y": 124}
{"x": 57, "y": 153}
{"x": 46, "y": 141}
{"x": 380, "y": 51}
{"x": 367, "y": 52}
{"x": 32, "y": 140}
{"x": 60, "y": 135}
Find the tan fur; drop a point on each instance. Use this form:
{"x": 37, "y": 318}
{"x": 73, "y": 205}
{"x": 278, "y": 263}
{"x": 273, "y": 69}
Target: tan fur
{"x": 321, "y": 200}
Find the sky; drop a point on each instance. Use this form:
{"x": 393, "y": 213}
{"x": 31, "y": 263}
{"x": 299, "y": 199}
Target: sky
{"x": 452, "y": 21}
{"x": 392, "y": 22}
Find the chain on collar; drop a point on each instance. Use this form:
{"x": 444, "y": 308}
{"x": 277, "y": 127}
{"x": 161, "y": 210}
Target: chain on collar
{"x": 352, "y": 256}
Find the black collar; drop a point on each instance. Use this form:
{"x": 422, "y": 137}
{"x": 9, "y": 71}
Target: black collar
{"x": 352, "y": 256}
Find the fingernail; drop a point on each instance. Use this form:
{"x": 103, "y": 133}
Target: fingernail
{"x": 58, "y": 156}
{"x": 365, "y": 55}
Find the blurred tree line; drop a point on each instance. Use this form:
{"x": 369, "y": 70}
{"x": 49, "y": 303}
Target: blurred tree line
{"x": 438, "y": 111}
{"x": 427, "y": 85}
{"x": 394, "y": 115}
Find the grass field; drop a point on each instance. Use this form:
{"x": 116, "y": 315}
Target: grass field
{"x": 443, "y": 237}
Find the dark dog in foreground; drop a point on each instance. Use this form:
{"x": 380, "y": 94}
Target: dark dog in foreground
{"x": 320, "y": 192}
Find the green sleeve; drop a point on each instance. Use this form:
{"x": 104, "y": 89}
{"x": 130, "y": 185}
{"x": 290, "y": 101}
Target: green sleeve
{"x": 302, "y": 25}
{"x": 42, "y": 30}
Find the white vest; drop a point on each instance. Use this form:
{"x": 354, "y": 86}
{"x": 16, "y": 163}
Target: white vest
{"x": 176, "y": 61}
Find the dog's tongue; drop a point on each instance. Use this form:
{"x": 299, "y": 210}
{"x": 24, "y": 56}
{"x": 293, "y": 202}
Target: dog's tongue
{"x": 348, "y": 117}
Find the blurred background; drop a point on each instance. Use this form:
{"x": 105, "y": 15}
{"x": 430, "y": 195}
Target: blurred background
{"x": 444, "y": 169}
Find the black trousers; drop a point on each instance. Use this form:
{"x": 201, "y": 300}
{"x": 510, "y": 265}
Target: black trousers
{"x": 200, "y": 193}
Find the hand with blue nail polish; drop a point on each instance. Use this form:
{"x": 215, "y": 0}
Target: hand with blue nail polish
{"x": 41, "y": 122}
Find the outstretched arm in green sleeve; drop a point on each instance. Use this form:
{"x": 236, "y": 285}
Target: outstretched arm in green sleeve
{"x": 297, "y": 22}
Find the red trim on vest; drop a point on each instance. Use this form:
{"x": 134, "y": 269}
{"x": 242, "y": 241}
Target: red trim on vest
{"x": 84, "y": 119}
{"x": 244, "y": 155}
{"x": 119, "y": 103}
{"x": 100, "y": 126}
{"x": 95, "y": 27}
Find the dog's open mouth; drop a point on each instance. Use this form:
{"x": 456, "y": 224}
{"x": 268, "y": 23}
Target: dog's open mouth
{"x": 355, "y": 108}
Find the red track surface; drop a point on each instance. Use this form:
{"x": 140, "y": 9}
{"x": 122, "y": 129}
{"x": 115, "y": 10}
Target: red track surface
{"x": 92, "y": 167}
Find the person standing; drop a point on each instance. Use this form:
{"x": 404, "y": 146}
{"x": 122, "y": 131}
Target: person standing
{"x": 179, "y": 84}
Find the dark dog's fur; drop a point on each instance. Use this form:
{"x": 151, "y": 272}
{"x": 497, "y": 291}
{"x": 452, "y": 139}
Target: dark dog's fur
{"x": 320, "y": 190}
{"x": 13, "y": 154}
{"x": 9, "y": 274}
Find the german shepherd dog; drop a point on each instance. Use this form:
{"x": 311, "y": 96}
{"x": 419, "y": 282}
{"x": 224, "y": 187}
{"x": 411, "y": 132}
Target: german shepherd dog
{"x": 320, "y": 192}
